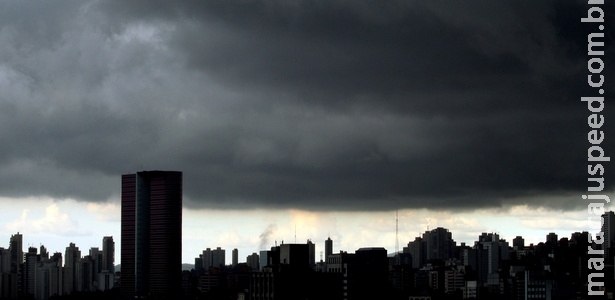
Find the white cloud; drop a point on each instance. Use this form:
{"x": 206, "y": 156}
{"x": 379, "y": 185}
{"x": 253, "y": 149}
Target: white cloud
{"x": 105, "y": 211}
{"x": 52, "y": 222}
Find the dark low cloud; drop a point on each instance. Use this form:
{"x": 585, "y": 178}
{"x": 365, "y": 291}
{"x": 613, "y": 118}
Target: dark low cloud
{"x": 304, "y": 104}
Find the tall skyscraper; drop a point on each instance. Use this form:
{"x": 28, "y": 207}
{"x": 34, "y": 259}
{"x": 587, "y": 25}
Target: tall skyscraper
{"x": 151, "y": 234}
{"x": 417, "y": 250}
{"x": 439, "y": 244}
{"x": 608, "y": 228}
{"x": 71, "y": 269}
{"x": 97, "y": 258}
{"x": 218, "y": 257}
{"x": 207, "y": 262}
{"x": 108, "y": 260}
{"x": 16, "y": 249}
{"x": 29, "y": 275}
{"x": 328, "y": 248}
{"x": 235, "y": 257}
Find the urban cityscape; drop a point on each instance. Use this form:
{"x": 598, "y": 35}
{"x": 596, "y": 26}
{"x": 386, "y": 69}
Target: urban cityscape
{"x": 306, "y": 149}
{"x": 432, "y": 266}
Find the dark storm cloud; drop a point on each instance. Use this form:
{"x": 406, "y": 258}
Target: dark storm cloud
{"x": 307, "y": 104}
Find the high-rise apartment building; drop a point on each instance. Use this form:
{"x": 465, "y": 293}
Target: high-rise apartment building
{"x": 552, "y": 238}
{"x": 439, "y": 244}
{"x": 71, "y": 269}
{"x": 218, "y": 257}
{"x": 97, "y": 258}
{"x": 16, "y": 249}
{"x": 151, "y": 234}
{"x": 235, "y": 257}
{"x": 108, "y": 259}
{"x": 29, "y": 274}
{"x": 328, "y": 248}
{"x": 416, "y": 249}
{"x": 608, "y": 228}
{"x": 252, "y": 261}
{"x": 518, "y": 243}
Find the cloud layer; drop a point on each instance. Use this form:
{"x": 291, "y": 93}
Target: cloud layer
{"x": 314, "y": 105}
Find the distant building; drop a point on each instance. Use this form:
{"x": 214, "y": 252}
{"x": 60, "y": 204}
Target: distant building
{"x": 416, "y": 249}
{"x": 269, "y": 257}
{"x": 252, "y": 261}
{"x": 552, "y": 238}
{"x": 439, "y": 244}
{"x": 518, "y": 243}
{"x": 198, "y": 264}
{"x": 296, "y": 255}
{"x": 206, "y": 259}
{"x": 16, "y": 249}
{"x": 218, "y": 257}
{"x": 5, "y": 261}
{"x": 311, "y": 254}
{"x": 108, "y": 255}
{"x": 235, "y": 257}
{"x": 471, "y": 290}
{"x": 151, "y": 234}
{"x": 328, "y": 248}
{"x": 608, "y": 228}
{"x": 97, "y": 264}
{"x": 71, "y": 271}
{"x": 400, "y": 272}
{"x": 215, "y": 258}
{"x": 87, "y": 278}
{"x": 454, "y": 280}
{"x": 49, "y": 277}
{"x": 106, "y": 280}
{"x": 29, "y": 275}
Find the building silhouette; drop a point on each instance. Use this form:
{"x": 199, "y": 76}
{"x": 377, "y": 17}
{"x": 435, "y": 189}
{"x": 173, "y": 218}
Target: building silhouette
{"x": 16, "y": 250}
{"x": 29, "y": 276}
{"x": 328, "y": 248}
{"x": 518, "y": 243}
{"x": 252, "y": 261}
{"x": 108, "y": 259}
{"x": 235, "y": 257}
{"x": 72, "y": 255}
{"x": 608, "y": 228}
{"x": 151, "y": 234}
{"x": 439, "y": 244}
{"x": 218, "y": 258}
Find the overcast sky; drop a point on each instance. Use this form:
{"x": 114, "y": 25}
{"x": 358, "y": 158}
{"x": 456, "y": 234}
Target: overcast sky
{"x": 322, "y": 105}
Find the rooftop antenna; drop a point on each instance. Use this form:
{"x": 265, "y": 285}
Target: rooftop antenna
{"x": 295, "y": 233}
{"x": 396, "y": 232}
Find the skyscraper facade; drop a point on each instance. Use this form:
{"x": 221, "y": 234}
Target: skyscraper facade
{"x": 218, "y": 257}
{"x": 16, "y": 249}
{"x": 151, "y": 234}
{"x": 608, "y": 228}
{"x": 108, "y": 259}
{"x": 71, "y": 271}
{"x": 328, "y": 248}
{"x": 235, "y": 257}
{"x": 439, "y": 244}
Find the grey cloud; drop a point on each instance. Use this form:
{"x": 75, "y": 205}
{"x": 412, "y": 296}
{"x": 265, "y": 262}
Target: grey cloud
{"x": 305, "y": 104}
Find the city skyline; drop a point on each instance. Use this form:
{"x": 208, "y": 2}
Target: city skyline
{"x": 490, "y": 266}
{"x": 189, "y": 255}
{"x": 324, "y": 116}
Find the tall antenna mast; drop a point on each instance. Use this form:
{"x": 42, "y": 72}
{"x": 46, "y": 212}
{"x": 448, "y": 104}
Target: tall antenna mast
{"x": 295, "y": 233}
{"x": 396, "y": 233}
